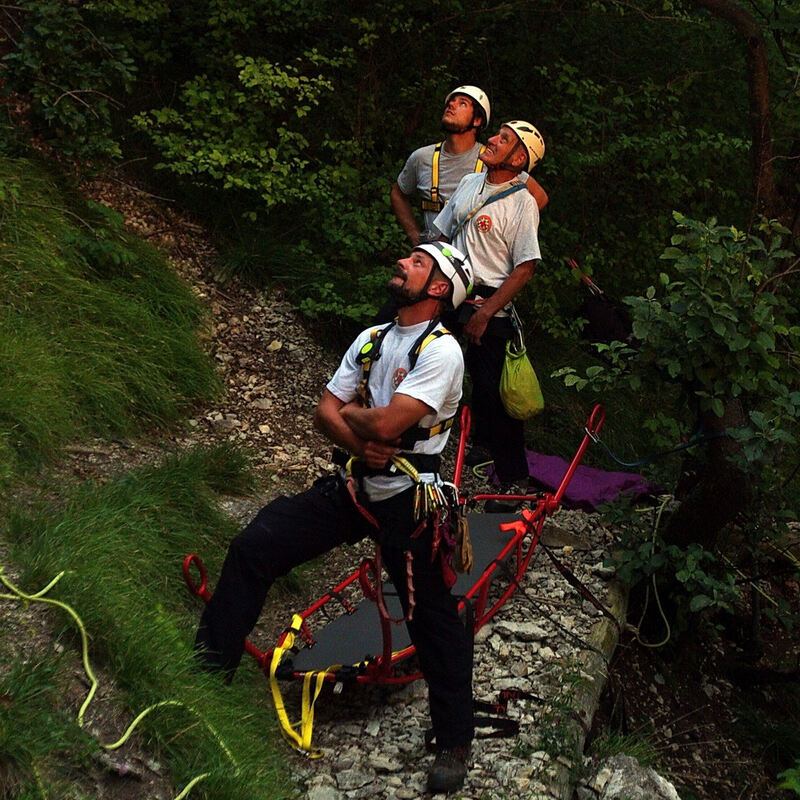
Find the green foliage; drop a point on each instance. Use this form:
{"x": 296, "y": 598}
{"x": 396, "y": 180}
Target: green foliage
{"x": 695, "y": 578}
{"x": 790, "y": 778}
{"x": 722, "y": 328}
{"x": 295, "y": 119}
{"x": 97, "y": 333}
{"x": 74, "y": 76}
{"x": 121, "y": 544}
{"x": 239, "y": 134}
{"x": 642, "y": 747}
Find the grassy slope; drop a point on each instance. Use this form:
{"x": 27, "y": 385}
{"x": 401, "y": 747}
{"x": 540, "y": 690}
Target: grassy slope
{"x": 97, "y": 334}
{"x": 99, "y": 337}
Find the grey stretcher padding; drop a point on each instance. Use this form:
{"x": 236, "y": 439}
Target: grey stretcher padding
{"x": 353, "y": 638}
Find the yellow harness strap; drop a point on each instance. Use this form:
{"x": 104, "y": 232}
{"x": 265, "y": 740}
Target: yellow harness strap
{"x": 298, "y": 736}
{"x": 436, "y": 203}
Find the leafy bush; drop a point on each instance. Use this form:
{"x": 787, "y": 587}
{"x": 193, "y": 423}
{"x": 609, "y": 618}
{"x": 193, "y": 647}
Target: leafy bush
{"x": 722, "y": 329}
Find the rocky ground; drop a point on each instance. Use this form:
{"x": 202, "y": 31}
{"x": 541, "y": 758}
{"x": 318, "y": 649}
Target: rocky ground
{"x": 273, "y": 372}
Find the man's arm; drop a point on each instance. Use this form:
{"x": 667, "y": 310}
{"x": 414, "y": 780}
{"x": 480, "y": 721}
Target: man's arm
{"x": 505, "y": 293}
{"x": 385, "y": 423}
{"x": 401, "y": 206}
{"x": 329, "y": 418}
{"x": 538, "y": 192}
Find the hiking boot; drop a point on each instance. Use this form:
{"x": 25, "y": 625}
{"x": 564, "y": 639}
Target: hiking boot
{"x": 449, "y": 769}
{"x": 506, "y": 506}
{"x": 476, "y": 455}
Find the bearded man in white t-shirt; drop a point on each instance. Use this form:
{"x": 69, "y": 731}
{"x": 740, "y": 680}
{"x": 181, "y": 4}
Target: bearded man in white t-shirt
{"x": 493, "y": 220}
{"x": 393, "y": 395}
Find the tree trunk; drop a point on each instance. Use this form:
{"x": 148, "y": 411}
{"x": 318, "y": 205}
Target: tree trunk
{"x": 721, "y": 491}
{"x": 766, "y": 198}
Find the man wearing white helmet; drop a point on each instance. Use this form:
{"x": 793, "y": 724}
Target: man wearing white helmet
{"x": 493, "y": 220}
{"x": 434, "y": 171}
{"x": 375, "y": 408}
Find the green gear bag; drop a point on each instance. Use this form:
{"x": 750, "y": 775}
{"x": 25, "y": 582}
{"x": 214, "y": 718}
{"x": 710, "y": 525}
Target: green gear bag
{"x": 519, "y": 386}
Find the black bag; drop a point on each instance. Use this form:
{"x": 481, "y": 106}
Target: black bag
{"x": 607, "y": 319}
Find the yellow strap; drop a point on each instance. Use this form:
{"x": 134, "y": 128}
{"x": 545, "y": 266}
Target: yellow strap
{"x": 435, "y": 172}
{"x": 441, "y": 427}
{"x": 435, "y": 203}
{"x": 298, "y": 736}
{"x": 404, "y": 465}
{"x": 479, "y": 163}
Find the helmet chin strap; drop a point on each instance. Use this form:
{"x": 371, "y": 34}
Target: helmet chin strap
{"x": 506, "y": 164}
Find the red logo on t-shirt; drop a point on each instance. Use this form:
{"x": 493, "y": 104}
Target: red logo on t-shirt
{"x": 483, "y": 223}
{"x": 399, "y": 374}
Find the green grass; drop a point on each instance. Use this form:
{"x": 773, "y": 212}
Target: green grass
{"x": 122, "y": 544}
{"x": 97, "y": 333}
{"x": 32, "y": 727}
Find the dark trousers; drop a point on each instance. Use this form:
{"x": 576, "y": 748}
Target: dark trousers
{"x": 292, "y": 530}
{"x": 492, "y": 428}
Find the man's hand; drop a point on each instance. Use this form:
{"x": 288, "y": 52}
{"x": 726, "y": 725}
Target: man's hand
{"x": 476, "y": 326}
{"x": 377, "y": 455}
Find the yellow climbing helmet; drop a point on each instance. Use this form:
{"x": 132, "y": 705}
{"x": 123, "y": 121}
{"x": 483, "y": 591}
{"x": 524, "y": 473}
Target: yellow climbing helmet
{"x": 531, "y": 139}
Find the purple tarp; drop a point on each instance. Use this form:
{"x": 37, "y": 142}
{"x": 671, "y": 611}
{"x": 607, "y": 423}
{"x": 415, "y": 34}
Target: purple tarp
{"x": 589, "y": 487}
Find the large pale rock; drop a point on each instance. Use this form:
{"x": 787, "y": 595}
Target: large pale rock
{"x": 622, "y": 778}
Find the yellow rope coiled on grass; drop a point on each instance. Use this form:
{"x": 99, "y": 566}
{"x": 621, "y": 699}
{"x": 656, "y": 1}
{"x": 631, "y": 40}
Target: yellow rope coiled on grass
{"x": 38, "y": 597}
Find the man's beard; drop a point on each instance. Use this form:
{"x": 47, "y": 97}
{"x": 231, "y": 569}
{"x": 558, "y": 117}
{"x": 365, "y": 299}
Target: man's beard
{"x": 453, "y": 127}
{"x": 403, "y": 297}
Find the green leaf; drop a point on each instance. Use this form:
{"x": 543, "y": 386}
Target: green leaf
{"x": 699, "y": 602}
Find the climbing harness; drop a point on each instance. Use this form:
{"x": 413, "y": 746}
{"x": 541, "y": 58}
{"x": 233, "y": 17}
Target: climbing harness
{"x": 436, "y": 203}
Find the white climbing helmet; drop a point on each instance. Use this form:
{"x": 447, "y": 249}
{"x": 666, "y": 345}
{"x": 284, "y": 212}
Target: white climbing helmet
{"x": 454, "y": 265}
{"x": 531, "y": 139}
{"x": 478, "y": 96}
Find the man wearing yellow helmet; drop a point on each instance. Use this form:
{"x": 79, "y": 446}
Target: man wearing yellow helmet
{"x": 434, "y": 171}
{"x": 492, "y": 219}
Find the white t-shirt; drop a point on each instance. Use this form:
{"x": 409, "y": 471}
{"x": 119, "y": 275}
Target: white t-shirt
{"x": 501, "y": 235}
{"x": 435, "y": 380}
{"x": 417, "y": 174}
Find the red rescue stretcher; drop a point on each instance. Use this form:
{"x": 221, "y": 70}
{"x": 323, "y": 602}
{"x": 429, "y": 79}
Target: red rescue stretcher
{"x": 344, "y": 637}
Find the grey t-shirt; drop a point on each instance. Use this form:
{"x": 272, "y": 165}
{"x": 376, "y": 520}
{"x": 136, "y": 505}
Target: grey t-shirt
{"x": 416, "y": 177}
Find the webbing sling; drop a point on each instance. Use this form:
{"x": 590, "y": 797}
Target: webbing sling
{"x": 298, "y": 736}
{"x": 436, "y": 203}
{"x": 499, "y": 195}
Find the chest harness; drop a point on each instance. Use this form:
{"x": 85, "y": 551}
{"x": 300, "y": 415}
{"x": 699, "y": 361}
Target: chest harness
{"x": 436, "y": 203}
{"x": 370, "y": 353}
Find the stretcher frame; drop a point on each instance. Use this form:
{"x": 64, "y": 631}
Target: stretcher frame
{"x": 523, "y": 531}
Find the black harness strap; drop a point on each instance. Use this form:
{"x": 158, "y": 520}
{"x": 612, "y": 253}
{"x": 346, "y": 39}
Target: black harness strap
{"x": 579, "y": 587}
{"x": 371, "y": 352}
